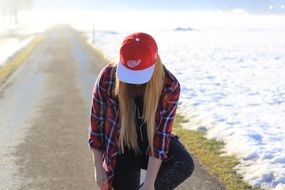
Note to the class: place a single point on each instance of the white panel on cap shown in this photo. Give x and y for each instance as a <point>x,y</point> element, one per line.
<point>134,76</point>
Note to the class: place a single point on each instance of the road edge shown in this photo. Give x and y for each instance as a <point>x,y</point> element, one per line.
<point>18,59</point>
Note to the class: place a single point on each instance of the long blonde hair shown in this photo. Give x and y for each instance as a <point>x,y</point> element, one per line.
<point>128,135</point>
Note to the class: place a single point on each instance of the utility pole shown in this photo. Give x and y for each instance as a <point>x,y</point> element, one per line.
<point>93,33</point>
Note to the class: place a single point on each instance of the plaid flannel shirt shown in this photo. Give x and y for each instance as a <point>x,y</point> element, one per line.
<point>105,118</point>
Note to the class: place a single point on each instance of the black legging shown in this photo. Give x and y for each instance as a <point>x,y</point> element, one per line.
<point>172,172</point>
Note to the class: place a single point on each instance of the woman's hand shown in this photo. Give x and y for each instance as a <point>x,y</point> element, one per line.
<point>151,173</point>
<point>147,186</point>
<point>100,174</point>
<point>101,178</point>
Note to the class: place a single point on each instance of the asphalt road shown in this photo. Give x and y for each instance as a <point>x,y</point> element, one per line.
<point>44,119</point>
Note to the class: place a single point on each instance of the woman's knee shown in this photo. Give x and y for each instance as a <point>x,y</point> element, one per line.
<point>175,171</point>
<point>190,165</point>
<point>183,157</point>
<point>173,174</point>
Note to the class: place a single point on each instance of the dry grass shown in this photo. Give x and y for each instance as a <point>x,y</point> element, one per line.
<point>20,57</point>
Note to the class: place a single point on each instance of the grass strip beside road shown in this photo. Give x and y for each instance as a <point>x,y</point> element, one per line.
<point>208,152</point>
<point>16,60</point>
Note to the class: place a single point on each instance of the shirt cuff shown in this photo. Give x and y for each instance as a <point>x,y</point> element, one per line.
<point>158,154</point>
<point>95,145</point>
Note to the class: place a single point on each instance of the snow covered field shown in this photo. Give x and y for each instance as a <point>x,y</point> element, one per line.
<point>14,37</point>
<point>8,47</point>
<point>233,85</point>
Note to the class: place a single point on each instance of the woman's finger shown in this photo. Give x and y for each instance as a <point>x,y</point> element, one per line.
<point>104,186</point>
<point>101,184</point>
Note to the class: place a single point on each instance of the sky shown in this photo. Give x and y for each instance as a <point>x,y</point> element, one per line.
<point>116,13</point>
<point>167,5</point>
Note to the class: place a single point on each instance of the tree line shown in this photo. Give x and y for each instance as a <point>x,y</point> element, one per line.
<point>11,8</point>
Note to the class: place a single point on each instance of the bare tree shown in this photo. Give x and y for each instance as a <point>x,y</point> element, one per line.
<point>11,8</point>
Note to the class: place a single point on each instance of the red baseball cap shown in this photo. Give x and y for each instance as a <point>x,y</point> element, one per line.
<point>138,54</point>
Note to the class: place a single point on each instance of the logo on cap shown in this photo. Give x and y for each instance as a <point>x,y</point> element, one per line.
<point>133,63</point>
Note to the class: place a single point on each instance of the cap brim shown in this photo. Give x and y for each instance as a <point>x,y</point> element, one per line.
<point>134,77</point>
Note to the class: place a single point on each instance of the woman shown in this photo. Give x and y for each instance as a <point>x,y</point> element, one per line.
<point>133,109</point>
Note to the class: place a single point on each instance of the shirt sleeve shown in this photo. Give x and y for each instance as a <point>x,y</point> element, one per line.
<point>98,109</point>
<point>165,120</point>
